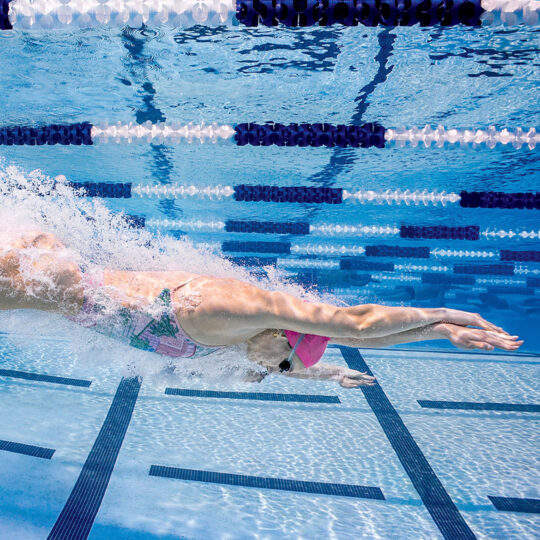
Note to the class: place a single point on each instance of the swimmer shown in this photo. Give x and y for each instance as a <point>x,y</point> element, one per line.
<point>198,314</point>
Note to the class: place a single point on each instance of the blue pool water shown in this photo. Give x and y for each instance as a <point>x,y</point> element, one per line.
<point>417,456</point>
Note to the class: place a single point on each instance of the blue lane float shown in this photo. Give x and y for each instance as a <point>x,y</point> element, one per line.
<point>341,136</point>
<point>5,23</point>
<point>445,279</point>
<point>360,263</point>
<point>267,227</point>
<point>292,194</point>
<point>471,232</point>
<point>485,269</point>
<point>359,12</point>
<point>70,134</point>
<point>520,256</point>
<point>257,262</point>
<point>233,246</point>
<point>398,251</point>
<point>106,190</point>
<point>498,199</point>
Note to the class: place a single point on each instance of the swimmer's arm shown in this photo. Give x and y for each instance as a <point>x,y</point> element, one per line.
<point>362,321</point>
<point>231,311</point>
<point>346,377</point>
<point>460,336</point>
<point>425,333</point>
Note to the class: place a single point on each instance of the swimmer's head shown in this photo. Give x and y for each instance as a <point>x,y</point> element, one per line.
<point>271,349</point>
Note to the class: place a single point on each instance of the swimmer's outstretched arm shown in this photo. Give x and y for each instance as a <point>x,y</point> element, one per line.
<point>231,311</point>
<point>460,336</point>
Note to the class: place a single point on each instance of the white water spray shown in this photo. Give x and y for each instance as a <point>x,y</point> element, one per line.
<point>96,238</point>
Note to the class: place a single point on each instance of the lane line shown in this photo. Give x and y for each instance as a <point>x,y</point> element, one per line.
<point>258,396</point>
<point>27,449</point>
<point>442,509</point>
<point>78,515</point>
<point>40,377</point>
<point>515,504</point>
<point>283,484</point>
<point>479,406</point>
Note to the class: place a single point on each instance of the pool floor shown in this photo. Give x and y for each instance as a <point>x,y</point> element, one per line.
<point>444,446</point>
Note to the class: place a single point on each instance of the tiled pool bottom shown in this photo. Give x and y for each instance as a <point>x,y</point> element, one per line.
<point>445,446</point>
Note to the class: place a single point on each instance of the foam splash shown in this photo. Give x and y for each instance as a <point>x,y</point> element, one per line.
<point>97,238</point>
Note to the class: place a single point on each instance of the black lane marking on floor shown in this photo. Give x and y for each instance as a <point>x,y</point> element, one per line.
<point>283,484</point>
<point>26,449</point>
<point>28,376</point>
<point>78,515</point>
<point>479,406</point>
<point>258,396</point>
<point>514,504</point>
<point>433,494</point>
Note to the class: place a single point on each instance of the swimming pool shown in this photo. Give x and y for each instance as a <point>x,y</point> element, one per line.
<point>100,440</point>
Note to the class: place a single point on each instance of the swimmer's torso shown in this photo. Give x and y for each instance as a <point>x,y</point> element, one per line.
<point>153,328</point>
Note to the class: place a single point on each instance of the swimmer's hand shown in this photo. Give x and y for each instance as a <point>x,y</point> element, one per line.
<point>464,318</point>
<point>474,338</point>
<point>350,378</point>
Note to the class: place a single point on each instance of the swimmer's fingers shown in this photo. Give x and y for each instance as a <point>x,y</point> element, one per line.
<point>502,341</point>
<point>491,340</point>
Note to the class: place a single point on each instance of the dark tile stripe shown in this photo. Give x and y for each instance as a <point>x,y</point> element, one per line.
<point>260,396</point>
<point>27,449</point>
<point>322,488</point>
<point>78,515</point>
<point>433,494</point>
<point>44,378</point>
<point>513,504</point>
<point>477,406</point>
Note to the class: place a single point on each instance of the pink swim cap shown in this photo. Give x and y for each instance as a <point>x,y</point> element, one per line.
<point>310,349</point>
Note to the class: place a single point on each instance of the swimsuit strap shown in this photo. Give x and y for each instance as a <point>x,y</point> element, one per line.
<point>300,339</point>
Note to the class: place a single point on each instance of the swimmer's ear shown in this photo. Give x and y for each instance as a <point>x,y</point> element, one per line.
<point>284,365</point>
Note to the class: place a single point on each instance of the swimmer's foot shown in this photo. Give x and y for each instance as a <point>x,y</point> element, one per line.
<point>350,378</point>
<point>474,338</point>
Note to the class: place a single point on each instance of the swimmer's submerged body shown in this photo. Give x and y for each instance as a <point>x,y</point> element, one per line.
<point>181,314</point>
